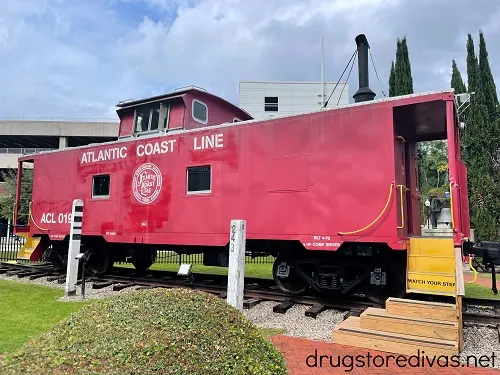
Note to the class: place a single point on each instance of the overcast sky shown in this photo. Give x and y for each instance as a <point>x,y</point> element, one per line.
<point>78,58</point>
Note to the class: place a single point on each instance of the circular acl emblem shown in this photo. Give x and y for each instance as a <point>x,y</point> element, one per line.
<point>146,183</point>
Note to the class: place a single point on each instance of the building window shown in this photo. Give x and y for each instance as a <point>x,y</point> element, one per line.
<point>271,104</point>
<point>236,119</point>
<point>199,179</point>
<point>100,186</point>
<point>200,111</point>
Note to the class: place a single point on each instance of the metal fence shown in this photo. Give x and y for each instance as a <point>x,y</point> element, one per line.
<point>11,244</point>
<point>171,257</point>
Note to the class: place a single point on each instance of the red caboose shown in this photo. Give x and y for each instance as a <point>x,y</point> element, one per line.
<point>332,194</point>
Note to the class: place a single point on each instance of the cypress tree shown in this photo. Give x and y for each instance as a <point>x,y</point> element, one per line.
<point>399,70</point>
<point>471,65</point>
<point>486,80</point>
<point>400,79</point>
<point>457,82</point>
<point>407,80</point>
<point>392,81</point>
<point>492,131</point>
<point>476,142</point>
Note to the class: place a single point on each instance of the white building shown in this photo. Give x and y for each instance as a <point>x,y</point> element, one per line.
<point>263,99</point>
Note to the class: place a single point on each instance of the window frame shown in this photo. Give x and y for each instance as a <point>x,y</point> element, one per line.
<point>92,195</point>
<point>236,119</point>
<point>269,107</point>
<point>162,126</point>
<point>199,192</point>
<point>192,111</point>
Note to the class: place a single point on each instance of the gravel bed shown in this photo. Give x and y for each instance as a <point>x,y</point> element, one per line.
<point>294,322</point>
<point>480,310</point>
<point>479,339</point>
<point>89,292</point>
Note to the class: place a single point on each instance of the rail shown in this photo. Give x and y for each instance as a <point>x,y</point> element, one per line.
<point>59,119</point>
<point>378,217</point>
<point>24,151</point>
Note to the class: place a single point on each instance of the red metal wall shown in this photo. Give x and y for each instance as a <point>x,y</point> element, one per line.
<point>126,124</point>
<point>307,178</point>
<point>218,111</point>
<point>176,116</point>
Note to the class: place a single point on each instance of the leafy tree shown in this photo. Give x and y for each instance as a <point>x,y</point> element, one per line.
<point>433,167</point>
<point>7,201</point>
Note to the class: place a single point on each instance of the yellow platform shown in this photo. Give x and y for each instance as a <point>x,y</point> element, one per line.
<point>29,246</point>
<point>431,266</point>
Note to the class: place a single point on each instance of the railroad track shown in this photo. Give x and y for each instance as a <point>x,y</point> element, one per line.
<point>256,290</point>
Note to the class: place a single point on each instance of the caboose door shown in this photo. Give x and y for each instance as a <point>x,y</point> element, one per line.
<point>401,190</point>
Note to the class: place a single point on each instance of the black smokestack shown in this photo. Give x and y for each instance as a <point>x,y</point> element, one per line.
<point>364,92</point>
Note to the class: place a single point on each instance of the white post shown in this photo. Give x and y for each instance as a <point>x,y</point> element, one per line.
<point>75,236</point>
<point>322,76</point>
<point>8,229</point>
<point>236,272</point>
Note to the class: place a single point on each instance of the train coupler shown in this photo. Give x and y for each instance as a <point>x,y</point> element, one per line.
<point>490,254</point>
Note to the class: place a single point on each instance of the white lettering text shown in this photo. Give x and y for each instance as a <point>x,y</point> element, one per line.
<point>209,141</point>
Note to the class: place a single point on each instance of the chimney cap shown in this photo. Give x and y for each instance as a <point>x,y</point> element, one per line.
<point>361,38</point>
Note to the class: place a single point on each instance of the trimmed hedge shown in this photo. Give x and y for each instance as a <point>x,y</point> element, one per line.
<point>153,331</point>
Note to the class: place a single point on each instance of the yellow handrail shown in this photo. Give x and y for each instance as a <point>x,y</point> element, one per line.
<point>378,217</point>
<point>32,219</point>
<point>402,208</point>
<point>474,270</point>
<point>451,207</point>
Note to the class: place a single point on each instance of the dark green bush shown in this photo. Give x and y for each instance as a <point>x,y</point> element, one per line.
<point>150,332</point>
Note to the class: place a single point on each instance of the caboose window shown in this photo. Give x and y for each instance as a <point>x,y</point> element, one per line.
<point>100,186</point>
<point>150,117</point>
<point>200,111</point>
<point>199,179</point>
<point>271,104</point>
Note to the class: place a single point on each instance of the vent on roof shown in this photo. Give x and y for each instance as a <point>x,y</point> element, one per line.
<point>184,88</point>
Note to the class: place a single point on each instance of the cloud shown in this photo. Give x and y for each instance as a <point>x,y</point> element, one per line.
<point>79,58</point>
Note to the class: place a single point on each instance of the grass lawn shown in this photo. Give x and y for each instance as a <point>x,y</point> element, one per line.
<point>479,291</point>
<point>28,310</point>
<point>260,271</point>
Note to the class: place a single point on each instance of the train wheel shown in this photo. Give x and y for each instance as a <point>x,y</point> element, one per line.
<point>144,261</point>
<point>395,285</point>
<point>286,277</point>
<point>100,262</point>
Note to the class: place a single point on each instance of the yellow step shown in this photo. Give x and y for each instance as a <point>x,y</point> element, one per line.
<point>350,332</point>
<point>380,319</point>
<point>422,309</point>
<point>431,263</point>
<point>431,246</point>
<point>28,248</point>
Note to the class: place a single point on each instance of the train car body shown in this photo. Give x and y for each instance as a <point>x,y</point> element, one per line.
<point>332,194</point>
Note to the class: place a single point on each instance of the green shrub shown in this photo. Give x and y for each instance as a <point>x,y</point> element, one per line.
<point>150,332</point>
